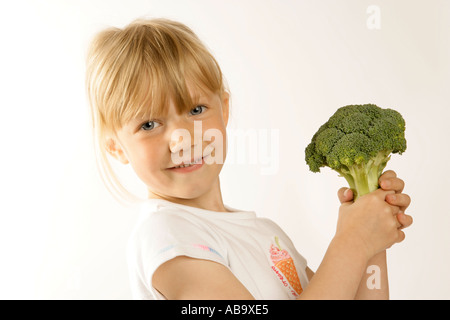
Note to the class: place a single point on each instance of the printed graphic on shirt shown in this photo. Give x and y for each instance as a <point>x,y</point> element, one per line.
<point>283,266</point>
<point>206,248</point>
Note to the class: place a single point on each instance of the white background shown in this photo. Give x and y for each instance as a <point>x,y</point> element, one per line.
<point>289,65</point>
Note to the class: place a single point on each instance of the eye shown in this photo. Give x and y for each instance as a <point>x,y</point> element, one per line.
<point>150,125</point>
<point>197,110</point>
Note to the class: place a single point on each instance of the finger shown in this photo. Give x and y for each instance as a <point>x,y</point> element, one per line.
<point>399,225</point>
<point>394,209</point>
<point>401,200</point>
<point>345,195</point>
<point>404,219</point>
<point>400,236</point>
<point>389,174</point>
<point>395,184</point>
<point>383,193</point>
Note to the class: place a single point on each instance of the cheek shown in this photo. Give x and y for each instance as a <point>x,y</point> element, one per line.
<point>215,140</point>
<point>146,159</point>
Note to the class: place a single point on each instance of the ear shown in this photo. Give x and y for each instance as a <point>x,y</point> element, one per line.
<point>115,150</point>
<point>225,107</point>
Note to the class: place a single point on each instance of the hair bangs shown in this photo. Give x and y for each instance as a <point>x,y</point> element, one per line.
<point>168,69</point>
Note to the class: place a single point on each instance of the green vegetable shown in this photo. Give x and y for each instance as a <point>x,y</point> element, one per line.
<point>357,142</point>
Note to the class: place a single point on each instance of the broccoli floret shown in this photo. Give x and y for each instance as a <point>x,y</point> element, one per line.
<point>357,142</point>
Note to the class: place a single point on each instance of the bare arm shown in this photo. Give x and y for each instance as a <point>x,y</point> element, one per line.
<point>363,292</point>
<point>374,283</point>
<point>184,278</point>
<point>339,274</point>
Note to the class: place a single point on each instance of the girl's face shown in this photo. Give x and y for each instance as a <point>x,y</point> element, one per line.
<point>151,147</point>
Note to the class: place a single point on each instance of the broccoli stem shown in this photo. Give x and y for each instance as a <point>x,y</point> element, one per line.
<point>363,178</point>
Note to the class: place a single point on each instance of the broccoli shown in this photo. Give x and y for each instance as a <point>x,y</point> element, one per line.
<point>357,142</point>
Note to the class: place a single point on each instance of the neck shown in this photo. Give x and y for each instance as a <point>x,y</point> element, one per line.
<point>211,200</point>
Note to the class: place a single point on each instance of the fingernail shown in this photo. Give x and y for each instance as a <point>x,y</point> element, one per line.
<point>386,183</point>
<point>392,197</point>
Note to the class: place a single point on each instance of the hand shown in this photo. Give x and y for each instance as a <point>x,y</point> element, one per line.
<point>369,225</point>
<point>388,182</point>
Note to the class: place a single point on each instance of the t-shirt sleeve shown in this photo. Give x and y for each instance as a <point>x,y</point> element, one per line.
<point>167,234</point>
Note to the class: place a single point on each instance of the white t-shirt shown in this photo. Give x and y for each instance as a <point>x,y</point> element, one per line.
<point>259,254</point>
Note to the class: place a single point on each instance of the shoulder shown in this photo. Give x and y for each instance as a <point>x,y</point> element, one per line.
<point>172,224</point>
<point>272,226</point>
<point>170,232</point>
<point>163,219</point>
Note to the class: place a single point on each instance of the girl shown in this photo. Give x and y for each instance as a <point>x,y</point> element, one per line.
<point>155,78</point>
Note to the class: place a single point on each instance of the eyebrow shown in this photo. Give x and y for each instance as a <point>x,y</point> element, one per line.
<point>137,120</point>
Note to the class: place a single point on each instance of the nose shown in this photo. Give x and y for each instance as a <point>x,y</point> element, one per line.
<point>182,143</point>
<point>185,136</point>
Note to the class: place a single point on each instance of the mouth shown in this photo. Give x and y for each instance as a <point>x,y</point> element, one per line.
<point>192,166</point>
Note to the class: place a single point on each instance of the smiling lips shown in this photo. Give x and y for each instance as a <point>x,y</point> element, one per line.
<point>195,164</point>
<point>189,164</point>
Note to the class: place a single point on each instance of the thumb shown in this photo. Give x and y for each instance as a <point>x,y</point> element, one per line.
<point>345,195</point>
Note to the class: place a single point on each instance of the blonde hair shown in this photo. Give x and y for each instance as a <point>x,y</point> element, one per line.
<point>135,72</point>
